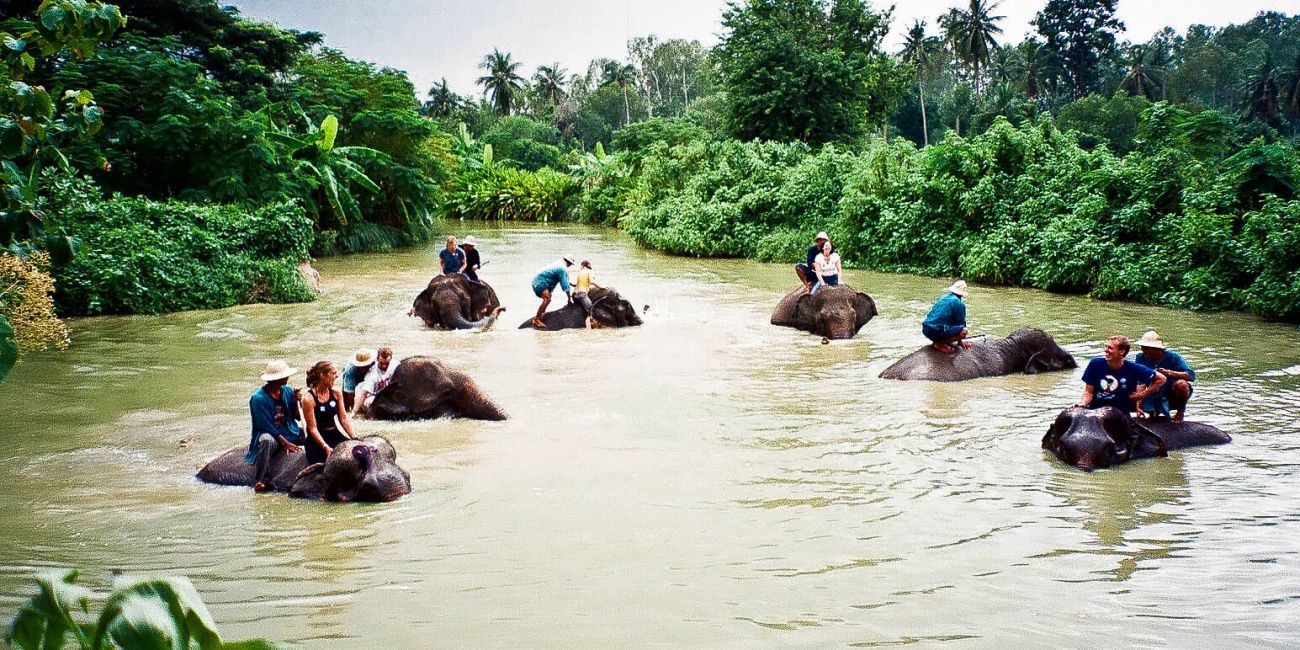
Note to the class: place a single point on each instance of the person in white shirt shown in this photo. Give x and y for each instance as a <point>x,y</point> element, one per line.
<point>827,267</point>
<point>380,374</point>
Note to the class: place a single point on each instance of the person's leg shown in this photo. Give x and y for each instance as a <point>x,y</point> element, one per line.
<point>266,448</point>
<point>348,397</point>
<point>832,280</point>
<point>471,275</point>
<point>806,276</point>
<point>1179,394</point>
<point>545,295</point>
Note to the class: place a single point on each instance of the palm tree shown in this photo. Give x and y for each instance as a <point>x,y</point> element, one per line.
<point>442,101</point>
<point>622,75</point>
<point>920,52</point>
<point>1141,77</point>
<point>502,80</point>
<point>549,83</point>
<point>1290,90</point>
<point>1260,94</point>
<point>1034,63</point>
<point>971,33</point>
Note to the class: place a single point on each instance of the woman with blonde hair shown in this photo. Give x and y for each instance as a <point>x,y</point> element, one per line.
<point>453,258</point>
<point>323,412</point>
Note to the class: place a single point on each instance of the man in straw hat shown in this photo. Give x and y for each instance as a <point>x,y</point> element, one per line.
<point>546,280</point>
<point>1112,380</point>
<point>355,372</point>
<point>805,270</point>
<point>1175,393</point>
<point>376,379</point>
<point>945,325</point>
<point>472,260</point>
<point>274,410</point>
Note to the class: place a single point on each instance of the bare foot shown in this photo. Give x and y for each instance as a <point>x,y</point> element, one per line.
<point>946,349</point>
<point>261,487</point>
<point>537,322</point>
<point>1177,418</point>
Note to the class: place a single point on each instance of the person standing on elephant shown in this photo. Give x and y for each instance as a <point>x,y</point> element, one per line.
<point>828,268</point>
<point>274,412</point>
<point>472,260</point>
<point>323,413</point>
<point>806,271</point>
<point>545,282</point>
<point>1112,380</point>
<point>453,258</point>
<point>945,325</point>
<point>1178,389</point>
<point>378,377</point>
<point>355,372</point>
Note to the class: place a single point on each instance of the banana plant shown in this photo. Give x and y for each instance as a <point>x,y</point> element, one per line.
<point>327,167</point>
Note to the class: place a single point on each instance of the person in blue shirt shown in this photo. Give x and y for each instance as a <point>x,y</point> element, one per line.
<point>453,258</point>
<point>807,270</point>
<point>274,411</point>
<point>546,280</point>
<point>1178,389</point>
<point>354,373</point>
<point>945,325</point>
<point>1112,380</point>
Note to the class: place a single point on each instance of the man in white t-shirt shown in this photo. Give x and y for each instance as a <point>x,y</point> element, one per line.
<point>380,374</point>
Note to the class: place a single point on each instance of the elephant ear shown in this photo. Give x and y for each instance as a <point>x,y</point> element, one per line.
<point>481,296</point>
<point>1147,444</point>
<point>1061,425</point>
<point>865,307</point>
<point>1034,366</point>
<point>311,469</point>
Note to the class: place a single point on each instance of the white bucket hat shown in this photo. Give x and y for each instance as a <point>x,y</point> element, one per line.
<point>1151,340</point>
<point>959,288</point>
<point>363,357</point>
<point>278,369</point>
<point>568,259</point>
<point>469,241</point>
<point>822,235</point>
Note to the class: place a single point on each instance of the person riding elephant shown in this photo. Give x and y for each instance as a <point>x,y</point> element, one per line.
<point>273,409</point>
<point>358,470</point>
<point>1102,437</point>
<point>1112,380</point>
<point>806,270</point>
<point>1026,350</point>
<point>609,309</point>
<point>424,388</point>
<point>456,302</point>
<point>833,312</point>
<point>945,325</point>
<point>1173,396</point>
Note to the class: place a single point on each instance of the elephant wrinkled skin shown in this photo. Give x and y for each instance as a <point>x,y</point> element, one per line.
<point>1098,438</point>
<point>1026,350</point>
<point>608,309</point>
<point>425,388</point>
<point>833,312</point>
<point>357,470</point>
<point>456,302</point>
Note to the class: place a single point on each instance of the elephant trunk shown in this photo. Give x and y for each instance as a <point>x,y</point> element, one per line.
<point>455,321</point>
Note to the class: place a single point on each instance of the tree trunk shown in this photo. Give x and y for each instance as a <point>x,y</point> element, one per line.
<point>627,108</point>
<point>686,98</point>
<point>925,127</point>
<point>959,126</point>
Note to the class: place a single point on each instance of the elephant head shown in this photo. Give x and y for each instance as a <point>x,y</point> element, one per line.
<point>609,309</point>
<point>833,312</point>
<point>424,388</point>
<point>357,470</point>
<point>1044,354</point>
<point>1098,438</point>
<point>456,302</point>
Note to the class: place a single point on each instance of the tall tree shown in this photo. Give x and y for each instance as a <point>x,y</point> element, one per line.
<point>1081,33</point>
<point>622,76</point>
<point>1260,94</point>
<point>971,32</point>
<point>442,101</point>
<point>807,70</point>
<point>1034,60</point>
<point>1143,77</point>
<point>1290,89</point>
<point>922,53</point>
<point>548,81</point>
<point>502,80</point>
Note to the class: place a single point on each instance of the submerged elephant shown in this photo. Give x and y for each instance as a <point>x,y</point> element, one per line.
<point>833,312</point>
<point>608,309</point>
<point>357,470</point>
<point>424,388</point>
<point>1097,438</point>
<point>456,302</point>
<point>1027,350</point>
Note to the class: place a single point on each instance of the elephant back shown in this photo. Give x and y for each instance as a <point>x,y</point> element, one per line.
<point>230,468</point>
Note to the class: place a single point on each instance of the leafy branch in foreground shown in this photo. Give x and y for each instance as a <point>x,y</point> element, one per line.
<point>151,613</point>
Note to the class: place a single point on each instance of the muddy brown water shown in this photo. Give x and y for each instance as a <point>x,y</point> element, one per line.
<point>704,480</point>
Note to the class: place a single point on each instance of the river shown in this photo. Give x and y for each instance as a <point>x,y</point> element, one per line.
<point>704,480</point>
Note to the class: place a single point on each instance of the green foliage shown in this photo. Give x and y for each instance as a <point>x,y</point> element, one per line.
<point>8,348</point>
<point>506,193</point>
<point>157,613</point>
<point>368,237</point>
<point>529,143</point>
<point>149,257</point>
<point>1099,120</point>
<point>809,70</point>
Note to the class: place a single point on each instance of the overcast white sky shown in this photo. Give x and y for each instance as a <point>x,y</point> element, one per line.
<point>430,39</point>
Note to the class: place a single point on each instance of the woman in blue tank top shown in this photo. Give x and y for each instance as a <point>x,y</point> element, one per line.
<point>323,413</point>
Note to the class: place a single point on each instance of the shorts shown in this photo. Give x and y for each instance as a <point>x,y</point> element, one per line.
<point>539,288</point>
<point>941,333</point>
<point>806,272</point>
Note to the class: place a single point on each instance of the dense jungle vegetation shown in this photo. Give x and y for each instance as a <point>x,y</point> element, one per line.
<point>162,155</point>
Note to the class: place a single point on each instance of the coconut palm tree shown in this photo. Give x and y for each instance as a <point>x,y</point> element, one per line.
<point>442,101</point>
<point>1290,89</point>
<point>1034,61</point>
<point>548,81</point>
<point>922,53</point>
<point>1142,78</point>
<point>622,75</point>
<point>502,80</point>
<point>971,34</point>
<point>1260,93</point>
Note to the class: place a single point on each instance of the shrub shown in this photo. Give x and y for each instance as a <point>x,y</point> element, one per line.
<point>510,194</point>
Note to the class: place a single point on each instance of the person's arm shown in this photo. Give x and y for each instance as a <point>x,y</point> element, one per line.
<point>295,414</point>
<point>564,284</point>
<point>464,261</point>
<point>344,420</point>
<point>309,420</point>
<point>1142,392</point>
<point>1088,391</point>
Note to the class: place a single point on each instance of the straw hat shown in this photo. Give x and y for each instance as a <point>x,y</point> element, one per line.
<point>363,357</point>
<point>469,241</point>
<point>1151,340</point>
<point>568,259</point>
<point>822,235</point>
<point>959,288</point>
<point>278,369</point>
